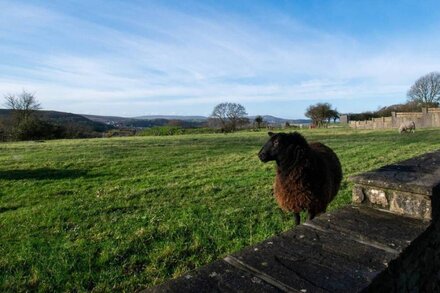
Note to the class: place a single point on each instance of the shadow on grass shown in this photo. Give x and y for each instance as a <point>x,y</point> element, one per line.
<point>43,174</point>
<point>7,209</point>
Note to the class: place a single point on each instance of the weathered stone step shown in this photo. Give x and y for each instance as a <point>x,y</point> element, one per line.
<point>409,188</point>
<point>367,226</point>
<point>218,276</point>
<point>335,252</point>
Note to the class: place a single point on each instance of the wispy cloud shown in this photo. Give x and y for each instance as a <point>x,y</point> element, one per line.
<point>155,58</point>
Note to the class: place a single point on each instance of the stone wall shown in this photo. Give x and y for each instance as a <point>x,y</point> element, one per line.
<point>416,270</point>
<point>429,117</point>
<point>409,188</point>
<point>395,201</point>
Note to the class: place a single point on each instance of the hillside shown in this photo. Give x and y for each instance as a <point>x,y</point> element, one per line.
<point>276,120</point>
<point>172,117</point>
<point>102,123</point>
<point>138,122</point>
<point>63,118</point>
<point>194,119</point>
<point>106,119</point>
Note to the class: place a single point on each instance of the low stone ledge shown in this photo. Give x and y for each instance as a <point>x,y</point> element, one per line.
<point>398,202</point>
<point>218,276</point>
<point>408,188</point>
<point>417,269</point>
<point>341,251</point>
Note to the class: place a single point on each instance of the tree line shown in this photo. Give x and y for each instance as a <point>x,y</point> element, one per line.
<point>227,117</point>
<point>425,92</point>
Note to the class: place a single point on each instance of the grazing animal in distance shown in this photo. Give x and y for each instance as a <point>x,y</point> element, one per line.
<point>407,126</point>
<point>308,176</point>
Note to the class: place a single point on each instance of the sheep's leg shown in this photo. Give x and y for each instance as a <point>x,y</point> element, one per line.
<point>297,218</point>
<point>311,215</point>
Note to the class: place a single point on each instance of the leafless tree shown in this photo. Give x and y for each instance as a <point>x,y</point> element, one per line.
<point>426,90</point>
<point>23,105</point>
<point>220,113</point>
<point>230,115</point>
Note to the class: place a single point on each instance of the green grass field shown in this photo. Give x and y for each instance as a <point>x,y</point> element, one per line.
<point>128,213</point>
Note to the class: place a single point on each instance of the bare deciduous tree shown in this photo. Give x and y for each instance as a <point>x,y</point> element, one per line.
<point>230,115</point>
<point>23,105</point>
<point>23,124</point>
<point>426,90</point>
<point>220,114</point>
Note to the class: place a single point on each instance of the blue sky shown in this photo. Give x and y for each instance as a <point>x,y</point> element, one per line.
<point>131,58</point>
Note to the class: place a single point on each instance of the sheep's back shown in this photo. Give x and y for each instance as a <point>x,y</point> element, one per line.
<point>329,168</point>
<point>407,125</point>
<point>312,184</point>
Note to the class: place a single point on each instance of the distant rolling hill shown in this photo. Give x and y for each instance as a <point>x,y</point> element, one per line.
<point>105,119</point>
<point>267,118</point>
<point>153,120</point>
<point>115,121</point>
<point>102,123</point>
<point>276,120</point>
<point>63,118</point>
<point>147,121</point>
<point>172,117</point>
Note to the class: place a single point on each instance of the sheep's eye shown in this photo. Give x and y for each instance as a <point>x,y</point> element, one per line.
<point>276,143</point>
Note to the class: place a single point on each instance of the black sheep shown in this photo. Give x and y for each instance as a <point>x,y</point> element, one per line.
<point>308,176</point>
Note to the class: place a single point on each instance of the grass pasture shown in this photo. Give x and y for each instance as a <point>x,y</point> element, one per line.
<point>127,213</point>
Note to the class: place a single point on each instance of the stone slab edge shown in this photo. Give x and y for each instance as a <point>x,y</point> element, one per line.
<point>398,202</point>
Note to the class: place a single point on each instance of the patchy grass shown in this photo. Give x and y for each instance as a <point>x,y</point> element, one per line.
<point>126,213</point>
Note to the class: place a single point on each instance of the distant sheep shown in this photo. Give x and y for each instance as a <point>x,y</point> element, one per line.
<point>407,126</point>
<point>308,176</point>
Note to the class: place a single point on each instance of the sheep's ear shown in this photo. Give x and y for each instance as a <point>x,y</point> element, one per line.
<point>270,133</point>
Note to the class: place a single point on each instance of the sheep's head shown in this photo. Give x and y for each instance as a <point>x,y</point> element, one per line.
<point>282,147</point>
